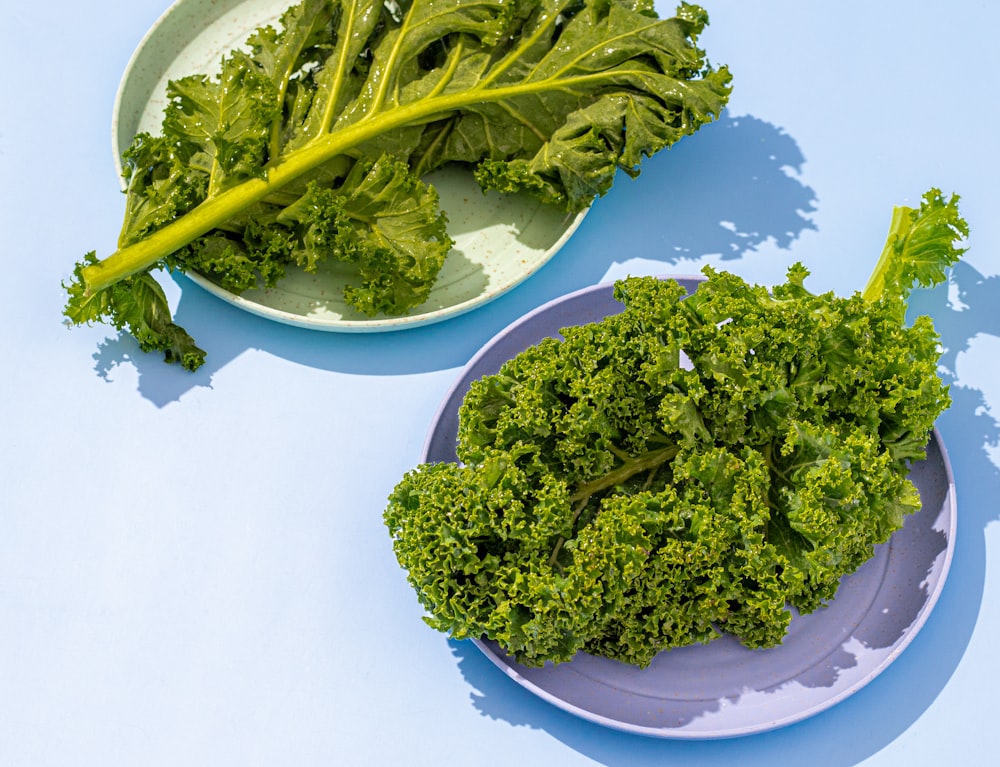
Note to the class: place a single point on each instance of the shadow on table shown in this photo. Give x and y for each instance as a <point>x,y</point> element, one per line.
<point>881,711</point>
<point>723,193</point>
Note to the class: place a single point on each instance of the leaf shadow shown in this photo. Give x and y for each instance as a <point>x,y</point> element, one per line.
<point>724,191</point>
<point>903,692</point>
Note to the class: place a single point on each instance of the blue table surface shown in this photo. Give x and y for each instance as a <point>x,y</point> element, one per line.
<point>194,568</point>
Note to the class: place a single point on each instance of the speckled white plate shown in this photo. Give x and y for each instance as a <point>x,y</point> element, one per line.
<point>722,689</point>
<point>500,240</point>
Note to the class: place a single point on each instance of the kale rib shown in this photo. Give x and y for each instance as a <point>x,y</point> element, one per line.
<point>217,209</point>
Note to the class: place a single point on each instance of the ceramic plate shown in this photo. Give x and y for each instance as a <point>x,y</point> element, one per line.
<point>500,240</point>
<point>722,689</point>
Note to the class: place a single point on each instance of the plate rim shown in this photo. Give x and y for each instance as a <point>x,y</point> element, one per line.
<point>510,668</point>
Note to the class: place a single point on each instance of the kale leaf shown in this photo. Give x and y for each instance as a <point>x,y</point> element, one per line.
<point>613,497</point>
<point>312,142</point>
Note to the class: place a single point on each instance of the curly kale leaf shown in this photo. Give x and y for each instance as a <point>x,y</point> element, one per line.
<point>614,498</point>
<point>547,97</point>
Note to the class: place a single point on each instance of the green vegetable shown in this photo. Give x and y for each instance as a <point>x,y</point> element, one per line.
<point>616,499</point>
<point>312,143</point>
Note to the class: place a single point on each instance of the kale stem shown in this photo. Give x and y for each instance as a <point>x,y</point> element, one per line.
<point>876,282</point>
<point>619,453</point>
<point>651,476</point>
<point>454,58</point>
<point>650,462</point>
<point>333,99</point>
<point>215,210</point>
<point>562,539</point>
<point>629,468</point>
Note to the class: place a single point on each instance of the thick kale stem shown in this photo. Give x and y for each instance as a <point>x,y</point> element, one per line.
<point>876,282</point>
<point>215,210</point>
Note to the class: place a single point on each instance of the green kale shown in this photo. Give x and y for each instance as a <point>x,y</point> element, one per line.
<point>313,143</point>
<point>691,466</point>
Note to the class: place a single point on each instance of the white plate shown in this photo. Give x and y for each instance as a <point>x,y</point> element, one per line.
<point>723,689</point>
<point>500,240</point>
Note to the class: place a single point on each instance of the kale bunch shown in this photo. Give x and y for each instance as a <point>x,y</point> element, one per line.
<point>691,466</point>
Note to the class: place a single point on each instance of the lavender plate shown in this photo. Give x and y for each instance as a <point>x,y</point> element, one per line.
<point>722,689</point>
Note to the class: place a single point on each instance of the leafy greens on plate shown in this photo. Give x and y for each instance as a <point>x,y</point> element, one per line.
<point>691,466</point>
<point>313,142</point>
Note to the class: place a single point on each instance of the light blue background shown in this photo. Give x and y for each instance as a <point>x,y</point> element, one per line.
<point>193,567</point>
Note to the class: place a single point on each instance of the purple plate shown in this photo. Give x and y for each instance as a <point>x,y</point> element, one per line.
<point>723,689</point>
